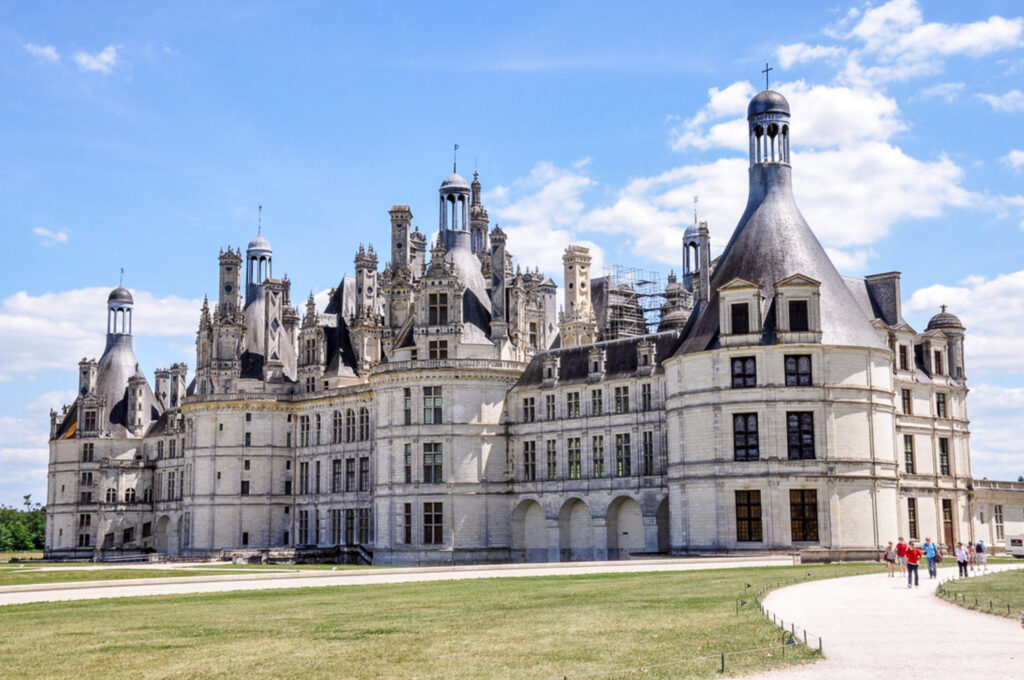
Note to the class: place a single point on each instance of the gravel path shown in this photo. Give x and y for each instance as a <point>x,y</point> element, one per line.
<point>262,580</point>
<point>874,626</point>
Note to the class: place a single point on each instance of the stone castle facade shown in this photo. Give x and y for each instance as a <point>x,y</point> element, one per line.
<point>442,410</point>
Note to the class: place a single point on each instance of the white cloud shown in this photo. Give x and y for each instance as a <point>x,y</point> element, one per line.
<point>948,92</point>
<point>892,42</point>
<point>1010,102</point>
<point>995,431</point>
<point>101,62</point>
<point>1015,159</point>
<point>50,238</point>
<point>55,330</point>
<point>992,310</point>
<point>43,53</point>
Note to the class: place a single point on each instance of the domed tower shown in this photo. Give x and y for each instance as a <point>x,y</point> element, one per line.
<point>953,329</point>
<point>454,218</point>
<point>258,259</point>
<point>119,312</point>
<point>768,126</point>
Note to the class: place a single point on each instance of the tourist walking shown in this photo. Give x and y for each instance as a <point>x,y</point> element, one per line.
<point>931,552</point>
<point>913,557</point>
<point>961,559</point>
<point>901,554</point>
<point>890,558</point>
<point>971,556</point>
<point>982,554</point>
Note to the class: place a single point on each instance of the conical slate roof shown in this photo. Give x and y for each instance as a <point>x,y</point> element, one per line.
<point>772,242</point>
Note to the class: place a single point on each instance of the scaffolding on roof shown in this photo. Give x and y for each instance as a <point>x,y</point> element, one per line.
<point>635,299</point>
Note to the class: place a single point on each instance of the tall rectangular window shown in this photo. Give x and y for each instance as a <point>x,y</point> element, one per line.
<point>533,333</point>
<point>304,431</point>
<point>88,451</point>
<point>316,467</point>
<point>574,457</point>
<point>350,474</point>
<point>744,372</point>
<point>908,454</point>
<point>552,459</point>
<point>940,405</point>
<point>748,516</point>
<point>529,409</point>
<point>740,318</point>
<point>597,452</point>
<point>943,456</point>
<point>744,436</point>
<point>337,526</point>
<point>319,423</point>
<point>437,349</point>
<point>798,370</point>
<point>623,455</point>
<point>912,518</point>
<point>549,407</point>
<point>407,464</point>
<point>432,462</point>
<point>906,401</point>
<point>432,405</point>
<point>407,406</point>
<point>997,517</point>
<point>596,402</point>
<point>364,424</point>
<point>437,309</point>
<point>336,427</point>
<point>303,477</point>
<point>350,426</point>
<point>350,526</point>
<point>938,362</point>
<point>433,518</point>
<point>647,453</point>
<point>803,514</point>
<point>89,420</point>
<point>798,321</point>
<point>336,475</point>
<point>622,399</point>
<point>904,358</point>
<point>646,402</point>
<point>407,523</point>
<point>572,405</point>
<point>364,473</point>
<point>800,435</point>
<point>170,489</point>
<point>363,517</point>
<point>529,461</point>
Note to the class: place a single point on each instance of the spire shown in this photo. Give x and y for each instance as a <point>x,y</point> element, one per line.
<point>259,222</point>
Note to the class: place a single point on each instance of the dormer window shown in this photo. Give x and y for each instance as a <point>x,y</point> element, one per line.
<point>938,362</point>
<point>549,369</point>
<point>798,316</point>
<point>437,309</point>
<point>740,315</point>
<point>89,420</point>
<point>595,358</point>
<point>645,357</point>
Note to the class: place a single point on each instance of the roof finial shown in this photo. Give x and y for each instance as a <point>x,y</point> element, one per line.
<point>943,308</point>
<point>121,284</point>
<point>695,199</point>
<point>455,159</point>
<point>259,226</point>
<point>766,70</point>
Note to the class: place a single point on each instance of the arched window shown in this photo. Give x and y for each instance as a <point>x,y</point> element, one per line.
<point>364,424</point>
<point>111,495</point>
<point>129,495</point>
<point>350,425</point>
<point>337,432</point>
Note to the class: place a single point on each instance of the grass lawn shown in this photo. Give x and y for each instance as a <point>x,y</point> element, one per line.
<point>26,576</point>
<point>1002,589</point>
<point>543,627</point>
<point>8,556</point>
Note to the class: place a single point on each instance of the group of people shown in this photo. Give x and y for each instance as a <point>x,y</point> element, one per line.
<point>907,558</point>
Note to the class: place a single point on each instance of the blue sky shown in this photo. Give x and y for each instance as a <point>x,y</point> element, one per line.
<point>145,135</point>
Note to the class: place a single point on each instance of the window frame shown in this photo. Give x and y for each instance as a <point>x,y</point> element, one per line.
<point>743,372</point>
<point>742,449</point>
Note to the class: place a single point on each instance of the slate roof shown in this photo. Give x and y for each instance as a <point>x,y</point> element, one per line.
<point>620,359</point>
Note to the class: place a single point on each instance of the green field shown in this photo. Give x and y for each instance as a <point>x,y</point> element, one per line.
<point>989,593</point>
<point>544,627</point>
<point>16,574</point>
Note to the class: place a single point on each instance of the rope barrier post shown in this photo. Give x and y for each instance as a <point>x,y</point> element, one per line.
<point>723,662</point>
<point>819,646</point>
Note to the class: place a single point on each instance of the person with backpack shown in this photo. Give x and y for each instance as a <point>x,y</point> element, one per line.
<point>961,559</point>
<point>979,549</point>
<point>931,553</point>
<point>913,558</point>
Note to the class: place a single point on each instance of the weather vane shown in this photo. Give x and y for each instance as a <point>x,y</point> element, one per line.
<point>259,222</point>
<point>766,70</point>
<point>122,278</point>
<point>455,158</point>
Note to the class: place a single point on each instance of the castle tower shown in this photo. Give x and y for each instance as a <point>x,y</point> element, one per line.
<point>417,253</point>
<point>478,221</point>
<point>401,223</point>
<point>953,329</point>
<point>136,416</point>
<point>499,292</point>
<point>162,387</point>
<point>230,290</point>
<point>453,220</point>
<point>366,284</point>
<point>577,326</point>
<point>87,369</point>
<point>179,373</point>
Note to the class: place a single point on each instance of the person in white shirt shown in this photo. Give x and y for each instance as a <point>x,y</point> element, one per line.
<point>961,559</point>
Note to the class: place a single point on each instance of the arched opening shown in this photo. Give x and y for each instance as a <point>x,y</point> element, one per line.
<point>529,532</point>
<point>163,530</point>
<point>575,532</point>
<point>625,528</point>
<point>661,518</point>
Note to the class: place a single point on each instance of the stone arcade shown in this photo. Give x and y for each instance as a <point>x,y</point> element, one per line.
<point>441,410</point>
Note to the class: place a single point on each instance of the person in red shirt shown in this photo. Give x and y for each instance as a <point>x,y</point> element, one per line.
<point>913,558</point>
<point>901,555</point>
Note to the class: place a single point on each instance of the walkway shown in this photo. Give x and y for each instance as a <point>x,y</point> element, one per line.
<point>874,626</point>
<point>263,580</point>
